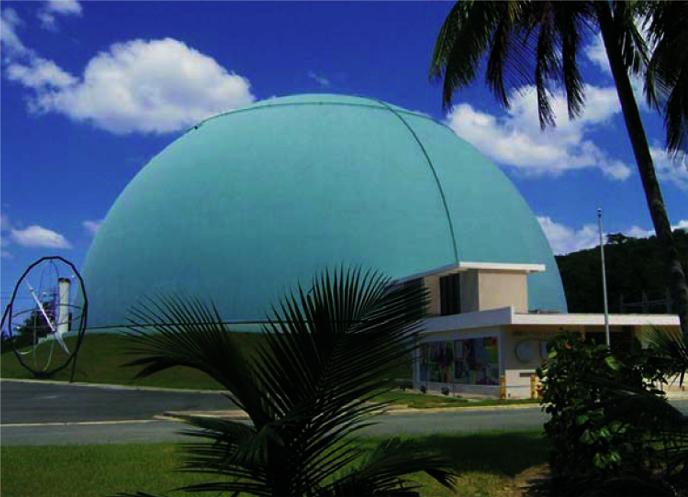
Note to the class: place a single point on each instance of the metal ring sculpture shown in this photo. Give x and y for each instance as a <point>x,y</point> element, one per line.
<point>36,324</point>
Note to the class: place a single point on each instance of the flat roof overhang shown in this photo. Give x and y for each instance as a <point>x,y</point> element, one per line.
<point>507,316</point>
<point>483,266</point>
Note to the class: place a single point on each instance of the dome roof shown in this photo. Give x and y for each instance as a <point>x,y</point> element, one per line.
<point>251,202</point>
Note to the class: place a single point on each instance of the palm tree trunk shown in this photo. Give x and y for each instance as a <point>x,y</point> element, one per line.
<point>677,278</point>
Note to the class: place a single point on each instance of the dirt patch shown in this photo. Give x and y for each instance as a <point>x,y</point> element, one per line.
<point>530,482</point>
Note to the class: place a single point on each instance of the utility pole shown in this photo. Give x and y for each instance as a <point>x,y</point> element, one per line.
<point>604,280</point>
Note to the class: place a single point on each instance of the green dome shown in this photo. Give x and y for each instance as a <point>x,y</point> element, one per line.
<point>249,203</point>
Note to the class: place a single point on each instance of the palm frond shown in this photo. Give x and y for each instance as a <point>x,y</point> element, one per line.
<point>666,77</point>
<point>190,333</point>
<point>547,65</point>
<point>329,350</point>
<point>670,346</point>
<point>237,448</point>
<point>385,470</point>
<point>505,57</point>
<point>460,44</point>
<point>633,46</point>
<point>637,405</point>
<point>310,387</point>
<point>511,35</point>
<point>572,21</point>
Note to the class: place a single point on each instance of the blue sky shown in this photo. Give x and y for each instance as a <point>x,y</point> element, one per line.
<point>92,90</point>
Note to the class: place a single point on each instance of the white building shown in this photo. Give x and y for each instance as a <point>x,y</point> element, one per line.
<point>480,332</point>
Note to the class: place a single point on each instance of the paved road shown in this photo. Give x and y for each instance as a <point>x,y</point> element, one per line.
<point>35,402</point>
<point>48,414</point>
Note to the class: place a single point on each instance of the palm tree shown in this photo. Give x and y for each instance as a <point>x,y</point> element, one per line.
<point>666,78</point>
<point>672,350</point>
<point>537,43</point>
<point>308,390</point>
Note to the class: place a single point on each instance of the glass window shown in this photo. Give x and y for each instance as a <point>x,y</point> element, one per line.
<point>450,294</point>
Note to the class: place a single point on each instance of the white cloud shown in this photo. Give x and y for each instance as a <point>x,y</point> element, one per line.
<point>669,169</point>
<point>41,74</point>
<point>638,232</point>
<point>672,170</point>
<point>564,239</point>
<point>321,80</point>
<point>145,86</point>
<point>52,8</point>
<point>597,54</point>
<point>11,43</point>
<point>4,233</point>
<point>4,222</point>
<point>516,139</point>
<point>39,237</point>
<point>91,226</point>
<point>65,7</point>
<point>4,253</point>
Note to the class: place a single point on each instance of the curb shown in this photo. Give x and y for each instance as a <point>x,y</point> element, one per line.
<point>391,410</point>
<point>235,415</point>
<point>238,414</point>
<point>110,386</point>
<point>431,410</point>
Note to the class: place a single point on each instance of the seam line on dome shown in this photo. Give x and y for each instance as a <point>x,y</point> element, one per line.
<point>434,174</point>
<point>295,104</point>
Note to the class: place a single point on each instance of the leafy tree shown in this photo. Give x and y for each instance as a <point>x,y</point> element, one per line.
<point>537,43</point>
<point>634,266</point>
<point>308,390</point>
<point>34,326</point>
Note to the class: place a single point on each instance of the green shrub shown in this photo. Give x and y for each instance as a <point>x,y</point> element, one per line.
<point>611,430</point>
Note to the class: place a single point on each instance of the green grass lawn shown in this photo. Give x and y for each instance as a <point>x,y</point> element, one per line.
<point>488,463</point>
<point>428,401</point>
<point>102,358</point>
<point>103,355</point>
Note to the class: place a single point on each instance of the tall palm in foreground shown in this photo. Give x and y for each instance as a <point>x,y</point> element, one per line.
<point>528,42</point>
<point>308,390</point>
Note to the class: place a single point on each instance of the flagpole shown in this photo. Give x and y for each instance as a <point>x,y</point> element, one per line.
<point>604,280</point>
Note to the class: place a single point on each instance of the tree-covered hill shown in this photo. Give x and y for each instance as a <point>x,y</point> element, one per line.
<point>634,266</point>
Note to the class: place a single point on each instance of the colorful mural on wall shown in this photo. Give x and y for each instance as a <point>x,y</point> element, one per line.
<point>470,361</point>
<point>436,362</point>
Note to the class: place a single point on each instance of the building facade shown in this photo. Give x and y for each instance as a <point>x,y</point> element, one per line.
<point>482,338</point>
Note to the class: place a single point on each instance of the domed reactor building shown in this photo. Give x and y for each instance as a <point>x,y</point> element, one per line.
<point>252,202</point>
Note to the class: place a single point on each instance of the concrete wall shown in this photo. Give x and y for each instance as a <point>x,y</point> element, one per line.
<point>432,283</point>
<point>503,289</point>
<point>518,368</point>
<point>482,290</point>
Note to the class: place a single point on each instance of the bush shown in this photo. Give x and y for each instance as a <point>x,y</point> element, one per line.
<point>611,430</point>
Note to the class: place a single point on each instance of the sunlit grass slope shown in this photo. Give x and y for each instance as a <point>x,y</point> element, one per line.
<point>486,463</point>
